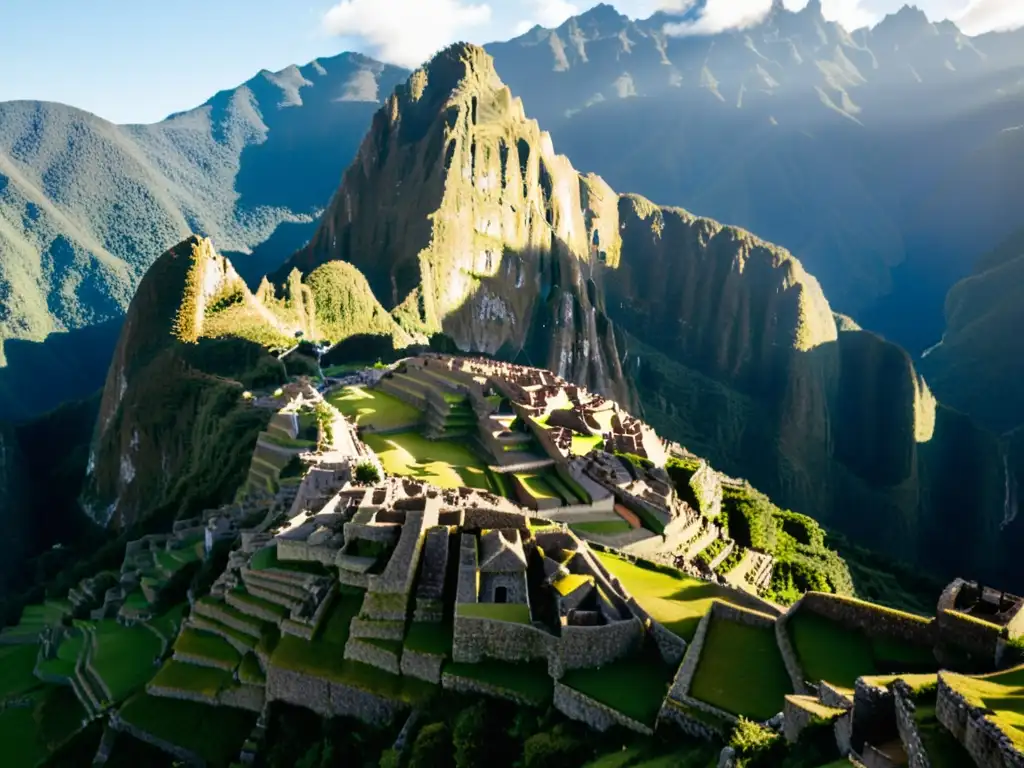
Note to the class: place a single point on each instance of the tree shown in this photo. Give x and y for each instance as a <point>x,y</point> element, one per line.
<point>367,473</point>
<point>432,748</point>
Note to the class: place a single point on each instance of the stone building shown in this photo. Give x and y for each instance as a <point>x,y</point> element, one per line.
<point>502,567</point>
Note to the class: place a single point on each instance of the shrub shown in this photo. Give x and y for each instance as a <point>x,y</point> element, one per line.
<point>367,473</point>
<point>553,749</point>
<point>325,419</point>
<point>710,552</point>
<point>433,747</point>
<point>301,365</point>
<point>755,745</point>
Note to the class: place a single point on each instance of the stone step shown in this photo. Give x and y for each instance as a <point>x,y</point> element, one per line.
<point>378,654</point>
<point>238,640</point>
<point>229,616</point>
<point>255,607</point>
<point>380,630</point>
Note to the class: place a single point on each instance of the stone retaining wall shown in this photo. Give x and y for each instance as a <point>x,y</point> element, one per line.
<point>375,656</point>
<point>672,712</point>
<point>251,609</point>
<point>204,661</point>
<point>328,698</point>
<point>789,657</point>
<point>479,517</point>
<point>596,715</point>
<point>425,666</point>
<point>680,689</point>
<point>906,725</point>
<point>382,630</point>
<point>794,719</point>
<point>205,624</point>
<point>963,631</point>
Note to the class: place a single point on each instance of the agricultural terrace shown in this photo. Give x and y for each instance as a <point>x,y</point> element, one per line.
<point>1002,693</point>
<point>31,734</point>
<point>214,733</point>
<point>741,670</point>
<point>443,463</point>
<point>839,656</point>
<point>672,598</point>
<point>634,686</point>
<point>123,656</point>
<point>529,680</point>
<point>373,408</point>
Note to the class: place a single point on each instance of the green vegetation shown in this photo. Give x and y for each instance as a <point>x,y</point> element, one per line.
<point>373,408</point>
<point>208,646</point>
<point>215,733</point>
<point>710,552</point>
<point>677,601</point>
<point>16,665</point>
<point>1001,693</point>
<point>583,444</point>
<point>537,485</point>
<point>635,686</point>
<point>528,680</point>
<point>943,750</point>
<point>444,463</point>
<point>367,473</point>
<point>207,681</point>
<point>123,656</point>
<point>514,612</point>
<point>741,670</point>
<point>430,637</point>
<point>603,527</point>
<point>829,652</point>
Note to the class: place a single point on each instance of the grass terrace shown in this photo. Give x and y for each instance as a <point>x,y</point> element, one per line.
<point>206,681</point>
<point>266,558</point>
<point>571,582</point>
<point>943,750</point>
<point>31,734</point>
<point>517,613</point>
<point>324,656</point>
<point>838,656</point>
<point>583,444</point>
<point>17,663</point>
<point>672,598</point>
<point>1002,693</point>
<point>215,733</point>
<point>741,671</point>
<point>207,645</point>
<point>444,463</point>
<point>430,637</point>
<point>373,408</point>
<point>603,527</point>
<point>537,485</point>
<point>636,686</point>
<point>530,681</point>
<point>123,656</point>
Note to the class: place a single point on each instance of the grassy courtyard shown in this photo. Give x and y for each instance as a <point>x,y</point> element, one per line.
<point>676,600</point>
<point>123,656</point>
<point>838,656</point>
<point>636,686</point>
<point>444,463</point>
<point>373,408</point>
<point>741,670</point>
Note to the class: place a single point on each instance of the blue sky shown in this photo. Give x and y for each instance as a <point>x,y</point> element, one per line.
<point>140,60</point>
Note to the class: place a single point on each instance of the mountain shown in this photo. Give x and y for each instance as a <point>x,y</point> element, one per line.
<point>465,221</point>
<point>979,364</point>
<point>880,157</point>
<point>86,206</point>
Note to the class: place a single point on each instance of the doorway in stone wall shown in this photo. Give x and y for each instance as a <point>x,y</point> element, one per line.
<point>501,594</point>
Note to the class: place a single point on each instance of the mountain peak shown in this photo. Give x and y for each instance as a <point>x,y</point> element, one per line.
<point>908,18</point>
<point>450,69</point>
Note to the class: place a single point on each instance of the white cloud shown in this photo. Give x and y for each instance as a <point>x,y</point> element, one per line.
<point>987,15</point>
<point>405,32</point>
<point>720,15</point>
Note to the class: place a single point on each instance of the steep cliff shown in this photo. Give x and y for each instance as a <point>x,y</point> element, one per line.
<point>464,220</point>
<point>14,513</point>
<point>173,433</point>
<point>979,365</point>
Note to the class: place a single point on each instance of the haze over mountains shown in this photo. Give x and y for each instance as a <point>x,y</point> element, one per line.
<point>885,159</point>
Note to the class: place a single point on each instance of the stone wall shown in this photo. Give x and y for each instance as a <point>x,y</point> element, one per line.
<point>328,698</point>
<point>582,647</point>
<point>984,742</point>
<point>425,666</point>
<point>729,612</point>
<point>794,719</point>
<point>874,715</point>
<point>707,488</point>
<point>468,586</point>
<point>185,756</point>
<point>973,635</point>
<point>907,727</point>
<point>676,714</point>
<point>596,715</point>
<point>872,620</point>
<point>789,657</point>
<point>680,689</point>
<point>481,517</point>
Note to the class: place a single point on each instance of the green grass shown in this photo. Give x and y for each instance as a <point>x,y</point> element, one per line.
<point>583,444</point>
<point>829,652</point>
<point>513,612</point>
<point>16,670</point>
<point>250,672</point>
<point>943,750</point>
<point>435,638</point>
<point>258,602</point>
<point>373,408</point>
<point>636,687</point>
<point>206,645</point>
<point>677,601</point>
<point>1002,693</point>
<point>603,527</point>
<point>123,657</point>
<point>169,623</point>
<point>191,677</point>
<point>21,738</point>
<point>562,489</point>
<point>444,463</point>
<point>267,558</point>
<point>528,680</point>
<point>537,485</point>
<point>740,670</point>
<point>215,733</point>
<point>571,582</point>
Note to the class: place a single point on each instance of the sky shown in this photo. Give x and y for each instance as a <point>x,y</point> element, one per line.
<point>137,61</point>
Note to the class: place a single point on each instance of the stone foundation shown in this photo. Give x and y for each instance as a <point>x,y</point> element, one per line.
<point>328,698</point>
<point>425,666</point>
